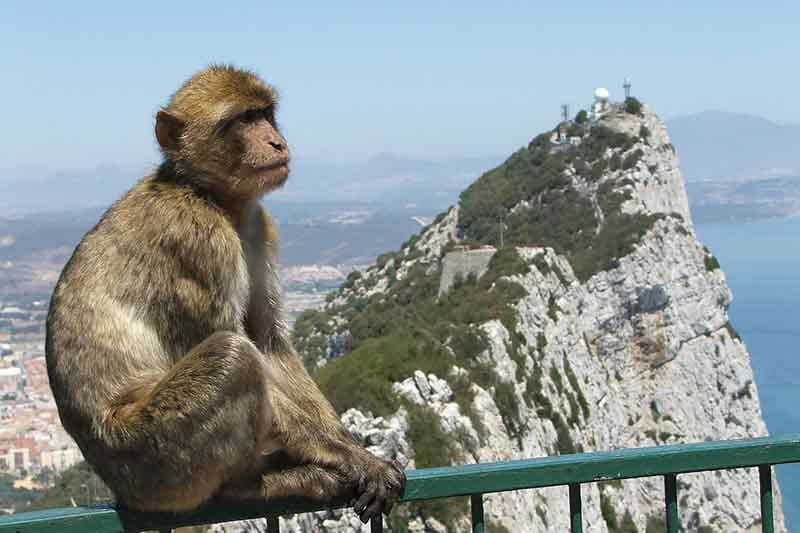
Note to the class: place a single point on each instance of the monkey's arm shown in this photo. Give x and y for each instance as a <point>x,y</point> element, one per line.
<point>310,432</point>
<point>305,425</point>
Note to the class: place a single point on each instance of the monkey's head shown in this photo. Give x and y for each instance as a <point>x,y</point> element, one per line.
<point>219,131</point>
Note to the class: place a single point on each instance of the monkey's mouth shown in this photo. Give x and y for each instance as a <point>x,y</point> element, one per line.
<point>270,175</point>
<point>277,164</point>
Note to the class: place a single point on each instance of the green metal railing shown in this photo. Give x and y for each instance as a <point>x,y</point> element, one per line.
<point>473,481</point>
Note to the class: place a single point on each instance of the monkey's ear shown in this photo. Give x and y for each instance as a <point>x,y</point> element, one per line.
<point>168,130</point>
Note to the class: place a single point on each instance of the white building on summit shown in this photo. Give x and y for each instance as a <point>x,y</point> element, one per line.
<point>600,104</point>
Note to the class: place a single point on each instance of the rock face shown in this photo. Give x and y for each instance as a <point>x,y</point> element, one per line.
<point>638,354</point>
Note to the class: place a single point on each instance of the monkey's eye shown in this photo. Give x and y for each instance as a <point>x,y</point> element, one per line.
<point>250,115</point>
<point>254,115</point>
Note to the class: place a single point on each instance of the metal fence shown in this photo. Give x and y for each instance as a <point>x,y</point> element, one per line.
<point>473,481</point>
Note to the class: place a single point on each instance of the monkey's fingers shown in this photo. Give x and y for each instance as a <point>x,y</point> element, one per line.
<point>401,475</point>
<point>368,493</point>
<point>363,501</point>
<point>378,501</point>
<point>393,493</point>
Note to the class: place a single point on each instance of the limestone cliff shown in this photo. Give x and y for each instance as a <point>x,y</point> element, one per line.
<point>602,323</point>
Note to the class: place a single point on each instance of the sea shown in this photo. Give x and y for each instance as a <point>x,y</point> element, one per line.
<point>762,263</point>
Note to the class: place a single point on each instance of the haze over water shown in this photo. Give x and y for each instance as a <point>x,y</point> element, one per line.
<point>762,263</point>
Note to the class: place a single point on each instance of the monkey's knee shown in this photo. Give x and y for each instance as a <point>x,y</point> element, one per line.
<point>223,343</point>
<point>232,360</point>
<point>242,376</point>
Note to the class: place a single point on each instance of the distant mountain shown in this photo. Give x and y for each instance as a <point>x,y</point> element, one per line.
<point>65,191</point>
<point>722,145</point>
<point>386,179</point>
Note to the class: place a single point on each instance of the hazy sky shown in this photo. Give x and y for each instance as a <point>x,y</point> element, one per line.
<point>81,81</point>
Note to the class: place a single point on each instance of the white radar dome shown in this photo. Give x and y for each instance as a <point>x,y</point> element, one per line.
<point>601,93</point>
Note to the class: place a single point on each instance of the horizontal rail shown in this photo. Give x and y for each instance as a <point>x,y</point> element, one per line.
<point>450,481</point>
<point>600,466</point>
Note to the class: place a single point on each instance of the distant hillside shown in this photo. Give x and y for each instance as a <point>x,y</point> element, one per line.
<point>723,145</point>
<point>385,179</point>
<point>327,233</point>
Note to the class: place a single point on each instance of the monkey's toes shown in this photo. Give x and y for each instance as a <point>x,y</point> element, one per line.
<point>400,479</point>
<point>380,492</point>
<point>371,501</point>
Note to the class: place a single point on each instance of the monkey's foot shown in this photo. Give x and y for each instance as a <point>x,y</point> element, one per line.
<point>380,487</point>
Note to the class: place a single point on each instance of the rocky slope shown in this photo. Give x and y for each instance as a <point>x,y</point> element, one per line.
<point>602,323</point>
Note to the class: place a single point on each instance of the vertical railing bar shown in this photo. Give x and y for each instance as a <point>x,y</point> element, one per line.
<point>765,479</point>
<point>376,524</point>
<point>575,512</point>
<point>476,505</point>
<point>671,500</point>
<point>273,524</point>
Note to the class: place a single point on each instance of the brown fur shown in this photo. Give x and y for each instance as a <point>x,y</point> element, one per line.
<point>166,349</point>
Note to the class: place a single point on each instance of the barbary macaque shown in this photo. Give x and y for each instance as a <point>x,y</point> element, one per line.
<point>167,354</point>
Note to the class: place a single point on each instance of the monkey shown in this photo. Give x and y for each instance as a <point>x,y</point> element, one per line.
<point>167,352</point>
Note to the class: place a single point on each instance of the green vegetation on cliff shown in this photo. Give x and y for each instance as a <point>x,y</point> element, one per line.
<point>408,328</point>
<point>538,204</point>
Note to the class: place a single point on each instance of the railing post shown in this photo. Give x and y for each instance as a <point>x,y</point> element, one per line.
<point>376,524</point>
<point>575,513</point>
<point>273,524</point>
<point>765,479</point>
<point>476,504</point>
<point>671,500</point>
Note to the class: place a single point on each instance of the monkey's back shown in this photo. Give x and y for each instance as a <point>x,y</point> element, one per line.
<point>161,270</point>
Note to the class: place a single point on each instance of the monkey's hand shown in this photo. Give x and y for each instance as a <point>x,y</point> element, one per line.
<point>380,486</point>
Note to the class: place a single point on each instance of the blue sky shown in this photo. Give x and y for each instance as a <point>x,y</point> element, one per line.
<point>81,81</point>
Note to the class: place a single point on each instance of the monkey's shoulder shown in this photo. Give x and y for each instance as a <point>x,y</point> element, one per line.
<point>162,231</point>
<point>174,216</point>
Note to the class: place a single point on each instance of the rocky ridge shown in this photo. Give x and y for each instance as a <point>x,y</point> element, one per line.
<point>602,324</point>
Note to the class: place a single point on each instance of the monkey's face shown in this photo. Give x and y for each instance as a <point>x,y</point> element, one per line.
<point>263,155</point>
<point>219,130</point>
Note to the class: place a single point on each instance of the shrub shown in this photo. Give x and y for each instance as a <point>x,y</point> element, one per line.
<point>615,163</point>
<point>656,524</point>
<point>598,169</point>
<point>631,159</point>
<point>432,447</point>
<point>363,378</point>
<point>384,258</point>
<point>508,406</point>
<point>711,262</point>
<point>352,277</point>
<point>608,512</point>
<point>632,106</point>
<point>628,525</point>
<point>70,483</point>
<point>575,130</point>
<point>582,117</point>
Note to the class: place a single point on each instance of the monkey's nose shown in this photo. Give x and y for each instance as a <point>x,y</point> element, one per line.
<point>279,146</point>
